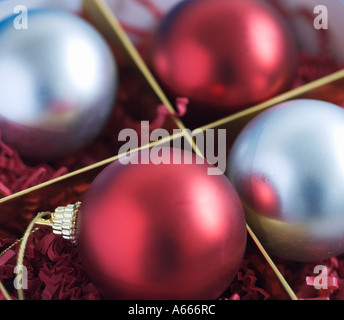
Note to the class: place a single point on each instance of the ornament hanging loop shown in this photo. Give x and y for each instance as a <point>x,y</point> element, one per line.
<point>47,220</point>
<point>63,221</point>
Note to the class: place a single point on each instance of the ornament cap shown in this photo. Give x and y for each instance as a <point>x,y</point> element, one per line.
<point>63,221</point>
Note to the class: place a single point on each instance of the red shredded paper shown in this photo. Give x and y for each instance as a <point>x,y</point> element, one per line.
<point>323,280</point>
<point>15,175</point>
<point>245,286</point>
<point>53,269</point>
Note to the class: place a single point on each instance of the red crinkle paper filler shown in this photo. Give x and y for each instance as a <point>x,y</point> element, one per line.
<point>245,285</point>
<point>304,279</point>
<point>15,175</point>
<point>163,112</point>
<point>53,268</point>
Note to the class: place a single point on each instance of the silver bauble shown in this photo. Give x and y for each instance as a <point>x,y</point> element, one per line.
<point>287,165</point>
<point>58,82</point>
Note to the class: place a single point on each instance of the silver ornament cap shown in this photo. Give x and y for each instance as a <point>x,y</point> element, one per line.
<point>63,221</point>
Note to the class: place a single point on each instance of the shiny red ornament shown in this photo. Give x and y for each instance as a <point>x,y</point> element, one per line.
<point>224,55</point>
<point>161,231</point>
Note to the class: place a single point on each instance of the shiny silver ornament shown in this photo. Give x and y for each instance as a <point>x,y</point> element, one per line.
<point>58,82</point>
<point>287,165</point>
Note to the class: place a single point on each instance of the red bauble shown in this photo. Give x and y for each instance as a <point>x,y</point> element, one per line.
<point>224,55</point>
<point>161,231</point>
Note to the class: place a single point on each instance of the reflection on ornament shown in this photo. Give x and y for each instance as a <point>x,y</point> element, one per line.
<point>287,165</point>
<point>58,81</point>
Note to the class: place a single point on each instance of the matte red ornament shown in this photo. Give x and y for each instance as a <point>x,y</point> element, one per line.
<point>161,231</point>
<point>224,55</point>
